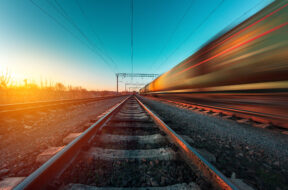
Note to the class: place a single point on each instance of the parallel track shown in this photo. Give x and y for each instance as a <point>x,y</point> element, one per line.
<point>107,141</point>
<point>24,107</point>
<point>264,119</point>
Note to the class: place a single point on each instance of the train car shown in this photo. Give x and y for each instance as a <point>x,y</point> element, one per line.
<point>250,58</point>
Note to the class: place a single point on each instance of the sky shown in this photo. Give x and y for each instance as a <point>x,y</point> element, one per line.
<point>85,42</point>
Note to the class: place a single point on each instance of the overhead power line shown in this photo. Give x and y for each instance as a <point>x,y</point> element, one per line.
<point>62,11</point>
<point>132,70</point>
<point>95,33</point>
<point>192,32</point>
<point>172,34</point>
<point>239,19</point>
<point>56,21</point>
<point>69,31</point>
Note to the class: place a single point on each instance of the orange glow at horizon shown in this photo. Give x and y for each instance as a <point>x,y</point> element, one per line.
<point>39,67</point>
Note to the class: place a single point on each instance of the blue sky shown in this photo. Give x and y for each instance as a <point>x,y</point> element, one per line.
<point>84,42</point>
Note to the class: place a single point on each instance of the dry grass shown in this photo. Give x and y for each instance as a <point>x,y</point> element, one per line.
<point>29,91</point>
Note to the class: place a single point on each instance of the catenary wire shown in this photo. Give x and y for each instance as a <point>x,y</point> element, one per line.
<point>192,32</point>
<point>95,33</point>
<point>172,34</point>
<point>62,11</point>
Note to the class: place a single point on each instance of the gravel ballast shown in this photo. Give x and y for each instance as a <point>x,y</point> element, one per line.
<point>258,156</point>
<point>140,173</point>
<point>130,158</point>
<point>24,136</point>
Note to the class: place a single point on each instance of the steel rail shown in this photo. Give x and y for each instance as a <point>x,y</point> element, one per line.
<point>13,108</point>
<point>256,116</point>
<point>193,158</point>
<point>40,178</point>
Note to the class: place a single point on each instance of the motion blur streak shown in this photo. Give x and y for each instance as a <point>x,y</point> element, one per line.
<point>232,48</point>
<point>221,42</point>
<point>245,68</point>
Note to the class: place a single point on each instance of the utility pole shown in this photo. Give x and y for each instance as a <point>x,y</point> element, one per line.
<point>117,76</point>
<point>140,75</point>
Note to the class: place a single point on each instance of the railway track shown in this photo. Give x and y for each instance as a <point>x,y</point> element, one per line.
<point>128,147</point>
<point>26,107</point>
<point>256,118</point>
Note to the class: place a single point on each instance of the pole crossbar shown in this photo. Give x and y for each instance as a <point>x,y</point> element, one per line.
<point>141,75</point>
<point>136,75</point>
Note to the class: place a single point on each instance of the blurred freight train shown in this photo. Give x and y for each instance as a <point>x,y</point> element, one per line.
<point>252,56</point>
<point>249,63</point>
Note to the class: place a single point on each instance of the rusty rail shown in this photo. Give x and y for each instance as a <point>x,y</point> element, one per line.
<point>58,163</point>
<point>265,118</point>
<point>193,158</point>
<point>55,165</point>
